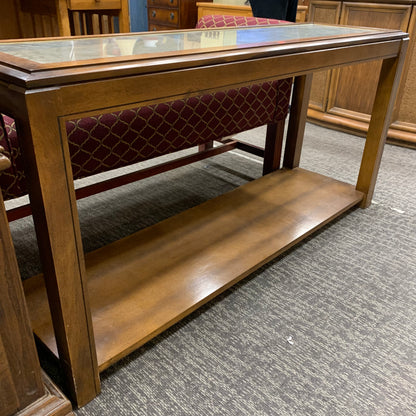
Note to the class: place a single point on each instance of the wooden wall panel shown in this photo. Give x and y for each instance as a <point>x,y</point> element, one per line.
<point>353,87</point>
<point>406,111</point>
<point>343,99</point>
<point>322,12</point>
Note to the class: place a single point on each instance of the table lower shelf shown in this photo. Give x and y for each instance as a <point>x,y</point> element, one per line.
<point>144,283</point>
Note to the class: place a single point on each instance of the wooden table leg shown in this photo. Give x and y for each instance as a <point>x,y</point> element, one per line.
<point>21,383</point>
<point>380,120</point>
<point>52,195</point>
<point>297,120</point>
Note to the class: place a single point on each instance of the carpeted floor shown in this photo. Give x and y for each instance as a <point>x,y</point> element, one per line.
<point>329,328</point>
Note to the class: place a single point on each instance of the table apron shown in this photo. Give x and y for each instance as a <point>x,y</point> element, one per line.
<point>93,97</point>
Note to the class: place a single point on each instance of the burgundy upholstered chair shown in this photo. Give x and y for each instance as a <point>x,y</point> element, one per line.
<point>108,141</point>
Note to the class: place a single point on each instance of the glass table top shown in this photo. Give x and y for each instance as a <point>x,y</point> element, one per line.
<point>48,51</point>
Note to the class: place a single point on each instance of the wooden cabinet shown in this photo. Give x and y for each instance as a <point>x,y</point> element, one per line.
<point>171,14</point>
<point>343,98</point>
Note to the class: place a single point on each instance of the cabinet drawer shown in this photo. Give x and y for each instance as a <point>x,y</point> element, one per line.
<point>94,4</point>
<point>164,16</point>
<point>163,3</point>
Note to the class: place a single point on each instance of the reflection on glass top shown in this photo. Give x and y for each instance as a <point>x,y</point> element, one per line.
<point>66,50</point>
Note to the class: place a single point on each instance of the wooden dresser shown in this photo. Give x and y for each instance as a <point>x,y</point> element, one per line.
<point>342,98</point>
<point>171,14</point>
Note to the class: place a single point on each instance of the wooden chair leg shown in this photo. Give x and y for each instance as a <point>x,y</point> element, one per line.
<point>206,146</point>
<point>273,146</point>
<point>297,120</point>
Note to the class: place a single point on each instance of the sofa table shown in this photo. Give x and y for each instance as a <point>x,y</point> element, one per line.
<point>117,298</point>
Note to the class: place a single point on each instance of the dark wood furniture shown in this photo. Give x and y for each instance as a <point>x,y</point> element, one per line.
<point>342,98</point>
<point>101,307</point>
<point>24,387</point>
<point>35,18</point>
<point>171,14</point>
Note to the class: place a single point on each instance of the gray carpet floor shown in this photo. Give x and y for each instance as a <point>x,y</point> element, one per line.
<point>328,328</point>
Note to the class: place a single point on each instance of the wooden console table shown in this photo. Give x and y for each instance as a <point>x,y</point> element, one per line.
<point>118,298</point>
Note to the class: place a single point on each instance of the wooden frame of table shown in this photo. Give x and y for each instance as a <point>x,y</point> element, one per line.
<point>101,308</point>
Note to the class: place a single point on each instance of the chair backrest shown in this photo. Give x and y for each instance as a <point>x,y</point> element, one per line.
<point>87,22</point>
<point>36,18</point>
<point>214,20</point>
<point>101,17</point>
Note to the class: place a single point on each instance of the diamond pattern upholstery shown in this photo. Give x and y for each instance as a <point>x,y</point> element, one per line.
<point>225,20</point>
<point>12,180</point>
<point>107,141</point>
